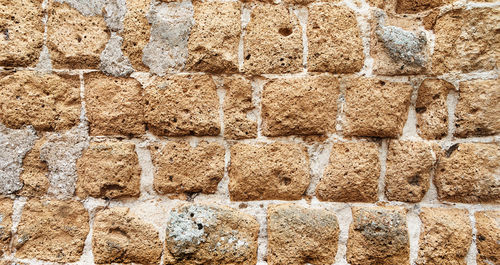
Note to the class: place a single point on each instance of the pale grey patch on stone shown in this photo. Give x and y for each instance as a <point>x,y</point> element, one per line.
<point>14,144</point>
<point>44,63</point>
<point>402,45</point>
<point>113,61</point>
<point>86,7</point>
<point>115,11</point>
<point>171,26</point>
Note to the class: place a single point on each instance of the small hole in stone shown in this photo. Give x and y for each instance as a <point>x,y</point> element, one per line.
<point>79,39</point>
<point>192,215</point>
<point>170,178</point>
<point>248,57</point>
<point>421,109</point>
<point>286,181</point>
<point>435,96</point>
<point>382,83</point>
<point>285,31</point>
<point>200,226</point>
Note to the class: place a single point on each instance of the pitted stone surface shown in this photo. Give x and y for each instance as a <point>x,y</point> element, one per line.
<point>412,6</point>
<point>5,225</point>
<point>210,234</point>
<point>238,106</point>
<point>488,237</point>
<point>432,109</point>
<point>136,32</point>
<point>35,175</point>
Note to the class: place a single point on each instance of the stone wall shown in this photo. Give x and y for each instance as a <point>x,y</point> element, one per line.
<point>253,132</point>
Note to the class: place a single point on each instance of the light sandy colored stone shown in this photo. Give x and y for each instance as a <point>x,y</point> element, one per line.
<point>121,237</point>
<point>181,168</point>
<point>35,175</point>
<point>277,171</point>
<point>46,101</point>
<point>300,106</point>
<point>136,31</point>
<point>334,38</point>
<point>210,234</point>
<point>273,41</point>
<point>238,106</point>
<point>178,105</point>
<point>299,235</point>
<point>445,236</point>
<point>352,173</point>
<point>5,225</point>
<point>488,237</point>
<point>413,6</point>
<point>432,109</point>
<point>52,230</point>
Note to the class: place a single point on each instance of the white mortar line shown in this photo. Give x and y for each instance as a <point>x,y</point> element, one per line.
<point>344,217</point>
<point>414,226</point>
<point>383,160</point>
<point>302,14</point>
<point>245,19</point>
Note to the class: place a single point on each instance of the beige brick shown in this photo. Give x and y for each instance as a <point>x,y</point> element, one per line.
<point>431,108</point>
<point>114,105</point>
<point>445,236</point>
<point>21,32</point>
<point>52,230</point>
<point>466,41</point>
<point>215,37</point>
<point>415,6</point>
<point>375,107</point>
<point>46,101</point>
<point>238,106</point>
<point>210,234</point>
<point>122,237</point>
<point>300,106</point>
<point>273,41</point>
<point>478,109</point>
<point>378,236</point>
<point>276,171</point>
<point>468,173</point>
<point>75,40</point>
<point>334,38</point>
<point>35,175</point>
<point>136,30</point>
<point>183,105</point>
<point>352,173</point>
<point>488,237</point>
<point>108,170</point>
<point>298,235</point>
<point>181,168</point>
<point>5,225</point>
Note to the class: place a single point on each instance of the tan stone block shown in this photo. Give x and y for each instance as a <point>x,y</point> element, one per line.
<point>487,238</point>
<point>108,170</point>
<point>35,175</point>
<point>181,168</point>
<point>466,41</point>
<point>114,105</point>
<point>136,31</point>
<point>21,32</point>
<point>378,236</point>
<point>415,6</point>
<point>238,106</point>
<point>215,37</point>
<point>52,230</point>
<point>210,234</point>
<point>445,236</point>
<point>299,235</point>
<point>478,109</point>
<point>300,106</point>
<point>468,173</point>
<point>334,38</point>
<point>375,107</point>
<point>46,101</point>
<point>273,41</point>
<point>122,237</point>
<point>5,225</point>
<point>178,105</point>
<point>352,173</point>
<point>276,171</point>
<point>431,108</point>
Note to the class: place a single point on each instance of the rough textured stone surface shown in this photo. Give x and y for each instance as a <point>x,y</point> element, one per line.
<point>215,37</point>
<point>378,236</point>
<point>334,37</point>
<point>431,108</point>
<point>113,62</point>
<point>466,41</point>
<point>136,32</point>
<point>298,235</point>
<point>303,106</point>
<point>276,171</point>
<point>352,173</point>
<point>52,231</point>
<point>375,107</point>
<point>273,41</point>
<point>488,237</point>
<point>108,170</point>
<point>178,105</point>
<point>35,175</point>
<point>5,224</point>
<point>209,234</point>
<point>21,32</point>
<point>412,6</point>
<point>478,109</point>
<point>121,237</point>
<point>75,40</point>
<point>408,170</point>
<point>181,168</point>
<point>238,107</point>
<point>114,105</point>
<point>469,173</point>
<point>46,101</point>
<point>445,236</point>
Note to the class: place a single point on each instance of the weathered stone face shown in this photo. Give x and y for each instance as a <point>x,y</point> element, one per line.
<point>487,237</point>
<point>35,173</point>
<point>210,234</point>
<point>352,173</point>
<point>136,31</point>
<point>121,237</point>
<point>5,225</point>
<point>431,108</point>
<point>298,235</point>
<point>412,6</point>
<point>238,106</point>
